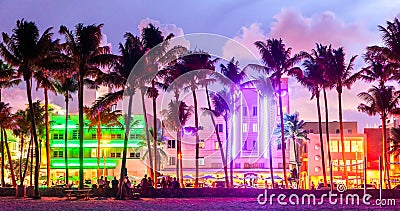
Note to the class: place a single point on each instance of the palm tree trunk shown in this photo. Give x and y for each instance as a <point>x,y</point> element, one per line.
<point>20,161</point>
<point>3,183</point>
<point>27,160</point>
<point>327,138</point>
<point>297,159</point>
<point>46,116</point>
<point>14,182</point>
<point>124,152</point>
<point>147,135</point>
<point>179,164</point>
<point>177,154</point>
<point>282,134</point>
<point>321,140</point>
<point>31,166</point>
<point>154,133</point>
<point>66,139</point>
<point>342,136</point>
<point>386,161</point>
<point>35,139</point>
<point>196,125</point>
<point>219,140</point>
<point>227,152</point>
<point>80,107</point>
<point>98,143</point>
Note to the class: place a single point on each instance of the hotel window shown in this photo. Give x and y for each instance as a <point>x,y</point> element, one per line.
<point>280,146</point>
<point>349,131</point>
<point>216,145</point>
<point>115,154</point>
<point>134,136</point>
<point>116,136</point>
<point>93,154</point>
<point>201,161</point>
<point>254,110</point>
<point>347,146</point>
<point>255,128</point>
<point>171,144</point>
<point>171,161</point>
<point>202,145</point>
<point>311,131</point>
<point>356,146</point>
<point>337,131</point>
<point>94,136</point>
<point>201,127</point>
<point>254,144</point>
<point>58,154</point>
<point>220,127</point>
<point>58,136</point>
<point>348,162</point>
<point>335,165</point>
<point>75,134</point>
<point>244,111</point>
<point>334,146</point>
<point>245,127</point>
<point>341,163</point>
<point>134,155</point>
<point>244,147</point>
<point>237,165</point>
<point>354,162</point>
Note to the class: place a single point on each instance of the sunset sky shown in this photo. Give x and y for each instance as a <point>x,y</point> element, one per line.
<point>301,24</point>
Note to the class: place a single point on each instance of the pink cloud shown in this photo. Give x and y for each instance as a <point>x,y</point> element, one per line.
<point>164,28</point>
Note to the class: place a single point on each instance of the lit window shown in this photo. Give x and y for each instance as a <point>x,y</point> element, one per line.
<point>94,136</point>
<point>335,165</point>
<point>201,161</point>
<point>347,146</point>
<point>254,145</point>
<point>254,110</point>
<point>317,169</point>
<point>255,128</point>
<point>58,136</point>
<point>334,146</point>
<point>116,136</point>
<point>202,145</point>
<point>216,145</point>
<point>58,154</point>
<point>244,147</point>
<point>245,127</point>
<point>134,136</point>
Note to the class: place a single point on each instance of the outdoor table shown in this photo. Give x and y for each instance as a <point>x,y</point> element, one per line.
<point>78,192</point>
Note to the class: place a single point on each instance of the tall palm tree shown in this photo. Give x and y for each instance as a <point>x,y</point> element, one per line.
<point>66,86</point>
<point>177,115</point>
<point>341,74</point>
<point>218,111</point>
<point>8,78</point>
<point>383,101</point>
<point>100,116</point>
<point>236,77</point>
<point>294,130</point>
<point>45,81</point>
<point>313,80</point>
<point>277,62</point>
<point>25,49</point>
<point>84,56</point>
<point>8,121</point>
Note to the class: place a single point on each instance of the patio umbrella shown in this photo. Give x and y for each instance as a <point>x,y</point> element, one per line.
<point>252,177</point>
<point>207,177</point>
<point>187,177</point>
<point>73,178</point>
<point>60,178</point>
<point>43,178</point>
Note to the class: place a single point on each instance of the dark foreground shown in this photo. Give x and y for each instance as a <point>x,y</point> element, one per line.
<point>170,204</point>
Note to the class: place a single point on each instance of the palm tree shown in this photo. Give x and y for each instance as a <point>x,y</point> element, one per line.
<point>45,81</point>
<point>236,78</point>
<point>278,62</point>
<point>84,56</point>
<point>341,74</point>
<point>25,49</point>
<point>294,130</point>
<point>66,86</point>
<point>395,142</point>
<point>313,79</point>
<point>177,115</point>
<point>8,78</point>
<point>382,101</point>
<point>100,116</point>
<point>218,111</point>
<point>8,121</point>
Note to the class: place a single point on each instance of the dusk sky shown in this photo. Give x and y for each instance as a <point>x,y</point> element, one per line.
<point>301,24</point>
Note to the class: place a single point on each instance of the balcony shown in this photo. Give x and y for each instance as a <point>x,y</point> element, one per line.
<point>88,163</point>
<point>93,143</point>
